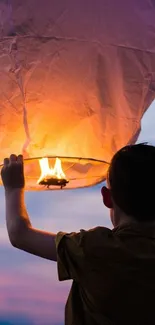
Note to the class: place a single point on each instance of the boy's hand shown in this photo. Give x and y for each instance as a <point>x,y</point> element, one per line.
<point>12,172</point>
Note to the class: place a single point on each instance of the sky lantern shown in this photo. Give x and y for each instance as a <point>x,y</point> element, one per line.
<point>76,78</point>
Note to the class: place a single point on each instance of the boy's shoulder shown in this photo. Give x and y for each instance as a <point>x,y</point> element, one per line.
<point>84,240</point>
<point>97,238</point>
<point>98,232</point>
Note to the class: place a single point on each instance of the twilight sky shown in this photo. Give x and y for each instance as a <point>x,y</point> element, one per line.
<point>29,290</point>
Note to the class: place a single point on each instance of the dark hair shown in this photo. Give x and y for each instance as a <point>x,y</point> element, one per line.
<point>132,181</point>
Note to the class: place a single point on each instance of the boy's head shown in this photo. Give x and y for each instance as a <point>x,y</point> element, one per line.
<point>131,183</point>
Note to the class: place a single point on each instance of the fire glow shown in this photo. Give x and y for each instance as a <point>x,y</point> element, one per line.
<point>51,176</point>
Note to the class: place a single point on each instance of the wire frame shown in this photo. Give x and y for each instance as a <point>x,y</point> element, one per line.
<point>79,172</point>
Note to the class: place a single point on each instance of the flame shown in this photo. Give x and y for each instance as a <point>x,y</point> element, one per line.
<point>47,172</point>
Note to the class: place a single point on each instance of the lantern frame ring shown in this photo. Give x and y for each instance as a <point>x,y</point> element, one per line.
<point>68,159</point>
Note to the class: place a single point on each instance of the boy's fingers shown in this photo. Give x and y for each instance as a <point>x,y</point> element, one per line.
<point>13,158</point>
<point>6,161</point>
<point>20,159</point>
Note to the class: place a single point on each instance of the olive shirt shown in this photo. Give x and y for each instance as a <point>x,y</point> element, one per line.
<point>113,274</point>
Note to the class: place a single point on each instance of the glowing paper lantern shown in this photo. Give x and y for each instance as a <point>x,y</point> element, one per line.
<point>75,80</point>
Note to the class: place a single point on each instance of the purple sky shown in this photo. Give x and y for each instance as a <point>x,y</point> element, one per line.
<point>29,290</point>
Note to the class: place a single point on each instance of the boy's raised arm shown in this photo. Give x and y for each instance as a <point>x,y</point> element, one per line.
<point>21,233</point>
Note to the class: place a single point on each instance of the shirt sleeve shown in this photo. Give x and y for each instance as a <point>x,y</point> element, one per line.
<point>71,259</point>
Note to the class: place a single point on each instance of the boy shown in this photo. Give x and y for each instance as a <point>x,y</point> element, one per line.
<point>113,271</point>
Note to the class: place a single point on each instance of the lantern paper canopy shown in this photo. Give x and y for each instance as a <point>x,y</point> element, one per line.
<point>75,80</point>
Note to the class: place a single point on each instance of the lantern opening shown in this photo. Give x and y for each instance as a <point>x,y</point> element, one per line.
<point>52,176</point>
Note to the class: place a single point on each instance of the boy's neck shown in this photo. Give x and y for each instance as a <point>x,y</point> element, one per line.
<point>123,220</point>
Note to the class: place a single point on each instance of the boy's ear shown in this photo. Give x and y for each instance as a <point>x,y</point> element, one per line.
<point>106,197</point>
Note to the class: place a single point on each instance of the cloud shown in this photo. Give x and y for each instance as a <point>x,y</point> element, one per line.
<point>42,301</point>
<point>17,319</point>
<point>68,211</point>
